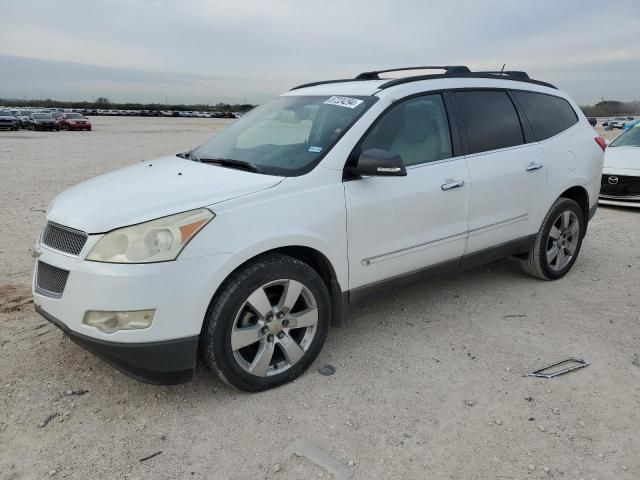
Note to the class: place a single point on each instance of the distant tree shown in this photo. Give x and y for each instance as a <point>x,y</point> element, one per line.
<point>608,108</point>
<point>102,101</point>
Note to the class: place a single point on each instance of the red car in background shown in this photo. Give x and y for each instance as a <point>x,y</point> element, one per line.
<point>74,121</point>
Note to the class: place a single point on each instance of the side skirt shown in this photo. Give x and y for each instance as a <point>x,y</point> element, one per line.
<point>516,247</point>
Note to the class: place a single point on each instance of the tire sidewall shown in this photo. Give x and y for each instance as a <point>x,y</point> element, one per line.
<point>222,313</point>
<point>561,206</point>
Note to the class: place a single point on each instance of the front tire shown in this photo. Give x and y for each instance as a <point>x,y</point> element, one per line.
<point>267,324</point>
<point>558,242</point>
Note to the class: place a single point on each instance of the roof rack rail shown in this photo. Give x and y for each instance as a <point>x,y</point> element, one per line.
<point>449,69</point>
<point>508,73</point>
<point>511,75</point>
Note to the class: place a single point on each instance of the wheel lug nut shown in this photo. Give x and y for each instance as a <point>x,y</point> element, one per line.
<point>265,329</point>
<point>280,335</point>
<point>280,315</point>
<point>285,323</point>
<point>270,338</point>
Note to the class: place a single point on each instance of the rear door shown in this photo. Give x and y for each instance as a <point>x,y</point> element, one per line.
<point>507,174</point>
<point>402,225</point>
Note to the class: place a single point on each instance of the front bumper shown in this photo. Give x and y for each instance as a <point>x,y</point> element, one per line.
<point>78,126</point>
<point>179,291</point>
<point>620,202</point>
<point>625,192</point>
<point>169,362</point>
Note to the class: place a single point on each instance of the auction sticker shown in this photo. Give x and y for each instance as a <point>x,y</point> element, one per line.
<point>344,101</point>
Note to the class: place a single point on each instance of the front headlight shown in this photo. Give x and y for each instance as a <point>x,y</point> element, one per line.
<point>155,241</point>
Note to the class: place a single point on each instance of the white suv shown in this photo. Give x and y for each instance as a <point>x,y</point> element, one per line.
<point>249,247</point>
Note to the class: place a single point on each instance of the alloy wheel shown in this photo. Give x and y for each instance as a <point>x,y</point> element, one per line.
<point>563,240</point>
<point>274,327</point>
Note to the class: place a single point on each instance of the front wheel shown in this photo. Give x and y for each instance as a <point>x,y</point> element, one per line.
<point>267,324</point>
<point>557,243</point>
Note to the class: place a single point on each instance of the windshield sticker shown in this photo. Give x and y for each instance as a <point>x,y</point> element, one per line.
<point>315,149</point>
<point>344,101</point>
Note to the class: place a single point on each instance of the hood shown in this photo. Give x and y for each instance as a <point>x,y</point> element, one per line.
<point>622,157</point>
<point>150,190</point>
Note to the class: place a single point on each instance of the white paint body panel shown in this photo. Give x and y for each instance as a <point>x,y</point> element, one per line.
<point>402,224</point>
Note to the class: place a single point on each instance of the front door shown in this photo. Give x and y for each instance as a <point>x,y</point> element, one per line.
<point>402,225</point>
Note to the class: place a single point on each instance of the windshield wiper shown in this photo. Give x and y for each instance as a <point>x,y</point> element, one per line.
<point>185,155</point>
<point>230,163</point>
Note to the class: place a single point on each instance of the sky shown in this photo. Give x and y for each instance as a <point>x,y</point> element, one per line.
<point>210,51</point>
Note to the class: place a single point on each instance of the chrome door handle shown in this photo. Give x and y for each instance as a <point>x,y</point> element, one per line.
<point>451,184</point>
<point>533,166</point>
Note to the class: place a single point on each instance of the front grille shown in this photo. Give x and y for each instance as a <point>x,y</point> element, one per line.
<point>50,280</point>
<point>64,239</point>
<point>627,186</point>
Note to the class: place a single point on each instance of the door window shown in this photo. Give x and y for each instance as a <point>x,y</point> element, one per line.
<point>490,118</point>
<point>416,129</point>
<point>547,115</point>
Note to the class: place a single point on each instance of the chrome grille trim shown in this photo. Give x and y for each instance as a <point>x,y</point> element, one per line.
<point>63,239</point>
<point>50,280</point>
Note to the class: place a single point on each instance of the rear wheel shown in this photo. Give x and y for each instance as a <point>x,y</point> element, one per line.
<point>268,323</point>
<point>558,241</point>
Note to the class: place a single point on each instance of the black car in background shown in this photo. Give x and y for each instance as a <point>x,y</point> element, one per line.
<point>43,121</point>
<point>8,120</point>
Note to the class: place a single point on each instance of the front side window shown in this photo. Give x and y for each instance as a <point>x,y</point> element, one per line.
<point>547,115</point>
<point>416,129</point>
<point>490,118</point>
<point>630,138</point>
<point>286,136</point>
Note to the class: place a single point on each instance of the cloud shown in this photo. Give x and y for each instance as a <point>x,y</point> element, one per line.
<point>272,45</point>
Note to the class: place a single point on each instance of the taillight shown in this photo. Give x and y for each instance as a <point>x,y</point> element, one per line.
<point>602,142</point>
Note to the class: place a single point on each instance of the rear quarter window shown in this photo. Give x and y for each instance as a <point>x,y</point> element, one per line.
<point>547,115</point>
<point>490,118</point>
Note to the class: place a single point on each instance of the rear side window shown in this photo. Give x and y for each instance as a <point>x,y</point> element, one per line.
<point>491,120</point>
<point>547,115</point>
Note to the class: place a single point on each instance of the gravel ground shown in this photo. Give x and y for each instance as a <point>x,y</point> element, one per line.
<point>428,384</point>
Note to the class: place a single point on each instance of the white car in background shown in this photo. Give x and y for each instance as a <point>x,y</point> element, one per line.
<point>621,172</point>
<point>618,122</point>
<point>248,247</point>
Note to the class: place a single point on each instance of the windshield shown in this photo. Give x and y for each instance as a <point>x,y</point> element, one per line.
<point>73,115</point>
<point>42,115</point>
<point>287,136</point>
<point>630,138</point>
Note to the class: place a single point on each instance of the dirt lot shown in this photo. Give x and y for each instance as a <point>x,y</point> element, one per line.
<point>428,384</point>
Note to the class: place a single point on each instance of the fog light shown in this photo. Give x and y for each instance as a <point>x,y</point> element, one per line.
<point>109,322</point>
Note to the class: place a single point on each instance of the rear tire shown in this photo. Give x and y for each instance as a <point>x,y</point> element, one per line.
<point>267,324</point>
<point>558,242</point>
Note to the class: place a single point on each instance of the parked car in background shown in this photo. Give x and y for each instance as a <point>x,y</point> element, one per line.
<point>618,122</point>
<point>74,121</point>
<point>43,121</point>
<point>8,120</point>
<point>23,118</point>
<point>621,173</point>
<point>372,183</point>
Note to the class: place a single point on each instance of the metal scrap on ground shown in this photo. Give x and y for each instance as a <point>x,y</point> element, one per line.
<point>320,457</point>
<point>560,368</point>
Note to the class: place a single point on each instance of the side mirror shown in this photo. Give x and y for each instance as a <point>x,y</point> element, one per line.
<point>379,163</point>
